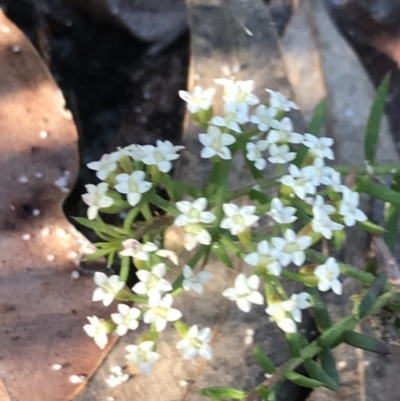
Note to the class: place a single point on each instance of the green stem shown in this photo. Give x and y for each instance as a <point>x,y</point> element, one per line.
<point>380,169</point>
<point>231,246</point>
<point>125,264</point>
<point>264,184</point>
<point>145,209</point>
<point>163,204</point>
<point>129,219</point>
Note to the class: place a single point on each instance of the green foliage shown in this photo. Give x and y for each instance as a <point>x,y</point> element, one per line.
<point>317,373</point>
<point>223,393</point>
<point>371,295</point>
<point>329,365</point>
<point>364,342</point>
<point>263,360</point>
<point>392,218</point>
<point>302,380</point>
<point>220,251</point>
<point>321,314</point>
<point>367,185</point>
<point>374,120</point>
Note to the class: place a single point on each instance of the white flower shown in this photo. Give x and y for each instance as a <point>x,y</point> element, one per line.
<point>126,319</point>
<point>108,288</point>
<point>196,343</point>
<point>152,282</point>
<point>280,315</point>
<point>133,185</point>
<point>280,154</point>
<point>135,249</point>
<point>234,115</point>
<point>106,165</point>
<point>161,155</point>
<point>193,219</point>
<point>194,281</point>
<point>165,253</point>
<point>319,147</point>
<point>266,257</point>
<point>96,198</point>
<point>98,330</point>
<point>336,181</point>
<point>264,117</point>
<point>280,213</point>
<point>348,208</point>
<point>238,92</point>
<point>292,247</point>
<point>295,304</point>
<point>328,275</point>
<point>142,355</point>
<point>280,101</point>
<point>254,153</point>
<point>282,132</point>
<point>160,311</point>
<point>318,172</point>
<point>134,151</point>
<point>198,99</point>
<point>300,181</point>
<point>245,292</point>
<point>321,222</point>
<point>216,143</point>
<point>238,219</point>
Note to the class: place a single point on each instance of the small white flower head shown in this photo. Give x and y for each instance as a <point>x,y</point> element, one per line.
<point>196,342</point>
<point>126,319</point>
<point>245,292</point>
<point>106,165</point>
<point>137,250</point>
<point>108,288</point>
<point>282,132</point>
<point>280,213</point>
<point>239,92</point>
<point>266,257</point>
<point>152,281</point>
<point>328,275</point>
<point>166,253</point>
<point>134,151</point>
<point>280,315</point>
<point>264,117</point>
<point>292,247</point>
<point>133,185</point>
<point>234,115</point>
<point>98,330</point>
<point>280,154</point>
<point>321,222</point>
<point>143,356</point>
<point>318,172</point>
<point>161,155</point>
<point>280,101</point>
<point>238,219</point>
<point>193,219</point>
<point>193,281</point>
<point>160,311</point>
<point>319,147</point>
<point>96,199</point>
<point>216,143</point>
<point>295,304</point>
<point>254,153</point>
<point>198,99</point>
<point>300,181</point>
<point>349,208</point>
<point>336,181</point>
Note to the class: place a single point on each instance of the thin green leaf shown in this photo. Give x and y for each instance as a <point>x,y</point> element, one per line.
<point>303,381</point>
<point>374,120</point>
<point>263,360</point>
<point>371,295</point>
<point>370,227</point>
<point>329,365</point>
<point>317,373</point>
<point>378,191</point>
<point>98,254</point>
<point>364,342</point>
<point>339,236</point>
<point>260,197</point>
<point>392,218</point>
<point>189,189</point>
<point>221,254</point>
<point>296,342</point>
<point>223,392</point>
<point>321,313</point>
<point>314,128</point>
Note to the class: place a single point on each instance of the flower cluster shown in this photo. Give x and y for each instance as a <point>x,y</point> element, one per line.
<point>308,191</point>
